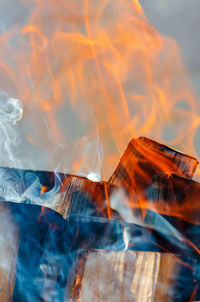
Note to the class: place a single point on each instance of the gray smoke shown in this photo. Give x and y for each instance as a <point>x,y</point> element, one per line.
<point>11,111</point>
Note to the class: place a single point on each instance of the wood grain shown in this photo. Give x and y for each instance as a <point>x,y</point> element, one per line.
<point>125,276</point>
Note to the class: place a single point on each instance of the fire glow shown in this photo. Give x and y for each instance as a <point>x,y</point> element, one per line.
<point>119,78</point>
<point>107,68</point>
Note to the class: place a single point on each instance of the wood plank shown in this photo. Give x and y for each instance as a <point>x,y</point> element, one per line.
<point>8,254</point>
<point>125,276</point>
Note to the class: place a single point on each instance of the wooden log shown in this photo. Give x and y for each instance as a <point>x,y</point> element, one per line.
<point>143,159</point>
<point>85,204</point>
<point>44,255</point>
<point>70,194</point>
<point>66,194</point>
<point>9,239</point>
<point>81,196</point>
<point>174,202</point>
<point>175,196</point>
<point>102,276</point>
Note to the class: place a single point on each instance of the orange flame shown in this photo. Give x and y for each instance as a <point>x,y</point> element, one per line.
<point>105,61</point>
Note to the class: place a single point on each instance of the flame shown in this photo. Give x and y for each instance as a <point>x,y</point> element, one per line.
<point>113,73</point>
<point>44,189</point>
<point>104,61</point>
<point>113,76</point>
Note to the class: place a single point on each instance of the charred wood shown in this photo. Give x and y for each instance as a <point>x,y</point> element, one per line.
<point>144,158</point>
<point>141,161</point>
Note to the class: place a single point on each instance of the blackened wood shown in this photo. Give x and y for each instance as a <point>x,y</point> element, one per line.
<point>144,158</point>
<point>175,196</point>
<point>174,203</point>
<point>49,246</point>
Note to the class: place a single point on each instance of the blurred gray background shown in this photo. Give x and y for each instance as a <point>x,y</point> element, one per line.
<point>179,19</point>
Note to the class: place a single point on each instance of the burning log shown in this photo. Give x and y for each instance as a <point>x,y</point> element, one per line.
<point>142,159</point>
<point>95,226</point>
<point>68,194</point>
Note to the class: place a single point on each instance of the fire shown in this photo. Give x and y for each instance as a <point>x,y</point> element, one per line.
<point>97,74</point>
<point>44,189</point>
<point>110,67</point>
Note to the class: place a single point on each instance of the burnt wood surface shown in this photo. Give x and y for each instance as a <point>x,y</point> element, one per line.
<point>144,158</point>
<point>141,161</point>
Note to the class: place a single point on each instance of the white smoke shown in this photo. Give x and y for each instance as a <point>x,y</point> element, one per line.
<point>119,201</point>
<point>11,111</point>
<point>91,155</point>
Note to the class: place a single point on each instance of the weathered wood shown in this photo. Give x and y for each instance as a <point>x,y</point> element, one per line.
<point>81,196</point>
<point>40,256</point>
<point>9,239</point>
<point>66,194</point>
<point>126,276</point>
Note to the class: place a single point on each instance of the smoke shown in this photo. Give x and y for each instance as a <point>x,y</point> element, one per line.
<point>11,182</point>
<point>11,112</point>
<point>91,155</point>
<point>119,201</point>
